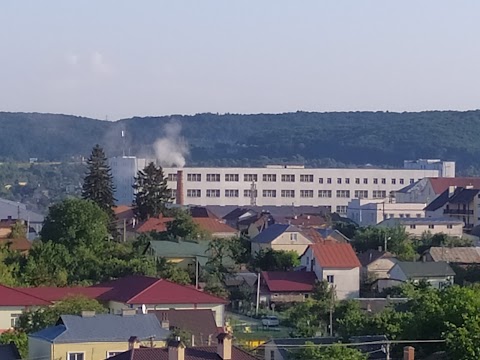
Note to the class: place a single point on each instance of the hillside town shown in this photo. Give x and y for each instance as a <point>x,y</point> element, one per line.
<point>283,262</point>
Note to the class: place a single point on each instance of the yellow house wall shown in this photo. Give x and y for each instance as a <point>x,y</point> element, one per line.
<point>283,242</point>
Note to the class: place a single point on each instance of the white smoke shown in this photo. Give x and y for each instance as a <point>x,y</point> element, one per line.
<point>172,148</point>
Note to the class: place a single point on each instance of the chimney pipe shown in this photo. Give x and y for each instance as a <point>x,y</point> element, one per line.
<point>176,350</point>
<point>224,346</point>
<point>408,353</point>
<point>180,195</point>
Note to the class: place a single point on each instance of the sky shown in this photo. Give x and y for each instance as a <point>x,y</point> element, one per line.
<point>114,59</point>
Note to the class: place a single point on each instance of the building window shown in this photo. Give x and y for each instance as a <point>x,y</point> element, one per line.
<point>400,215</point>
<point>113,353</point>
<point>357,180</point>
<point>194,177</point>
<point>384,181</point>
<point>173,193</point>
<point>339,180</point>
<point>269,193</point>
<point>194,193</point>
<point>407,215</point>
<point>375,180</point>
<point>76,356</point>
<point>248,193</point>
<point>341,209</point>
<point>306,193</point>
<point>250,177</point>
<point>361,194</point>
<point>413,226</point>
<point>293,236</point>
<point>343,193</point>
<point>213,193</point>
<point>14,320</point>
<point>330,279</point>
<point>329,180</point>
<point>231,193</point>
<point>231,177</point>
<point>402,181</point>
<point>306,178</point>
<point>272,355</point>
<point>365,181</point>
<point>320,180</point>
<point>288,178</point>
<point>269,177</point>
<point>347,180</point>
<point>431,226</point>
<point>394,181</point>
<point>412,181</point>
<point>213,177</point>
<point>419,215</point>
<point>449,226</point>
<point>172,177</point>
<point>288,193</point>
<point>379,194</point>
<point>325,193</point>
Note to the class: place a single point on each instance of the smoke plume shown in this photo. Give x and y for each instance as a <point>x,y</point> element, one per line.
<point>171,149</point>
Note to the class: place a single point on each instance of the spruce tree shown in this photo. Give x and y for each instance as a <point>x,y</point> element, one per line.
<point>151,192</point>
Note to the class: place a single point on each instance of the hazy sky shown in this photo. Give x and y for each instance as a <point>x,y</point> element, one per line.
<point>125,58</point>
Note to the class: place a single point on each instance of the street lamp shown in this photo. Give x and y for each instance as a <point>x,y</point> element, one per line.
<point>386,240</point>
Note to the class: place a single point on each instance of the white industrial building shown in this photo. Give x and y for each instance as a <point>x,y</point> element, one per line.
<point>273,185</point>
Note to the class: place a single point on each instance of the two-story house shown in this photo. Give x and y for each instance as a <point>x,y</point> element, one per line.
<point>281,237</point>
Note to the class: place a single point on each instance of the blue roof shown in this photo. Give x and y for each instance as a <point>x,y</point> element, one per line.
<point>103,328</point>
<point>272,232</point>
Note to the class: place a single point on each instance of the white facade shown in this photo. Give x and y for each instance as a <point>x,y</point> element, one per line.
<point>369,212</point>
<point>418,227</point>
<point>345,281</point>
<point>446,168</point>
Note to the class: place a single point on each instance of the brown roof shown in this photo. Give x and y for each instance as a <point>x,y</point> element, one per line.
<point>158,224</point>
<point>18,244</point>
<point>200,323</point>
<point>441,184</point>
<point>335,255</point>
<point>214,226</point>
<point>460,255</point>
<point>369,256</point>
<point>307,220</point>
<point>191,353</point>
<point>313,235</point>
<point>289,281</point>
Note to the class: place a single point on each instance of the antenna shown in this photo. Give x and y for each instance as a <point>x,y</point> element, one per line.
<point>123,141</point>
<point>253,194</point>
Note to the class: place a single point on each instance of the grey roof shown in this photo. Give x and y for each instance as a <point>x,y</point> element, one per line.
<point>420,269</point>
<point>9,352</point>
<point>438,202</point>
<point>459,255</point>
<point>332,233</point>
<point>424,221</point>
<point>272,232</point>
<point>14,209</point>
<point>103,328</point>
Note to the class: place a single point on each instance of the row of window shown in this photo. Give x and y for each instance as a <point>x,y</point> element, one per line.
<point>431,226</point>
<point>307,178</point>
<point>232,193</point>
<point>81,355</point>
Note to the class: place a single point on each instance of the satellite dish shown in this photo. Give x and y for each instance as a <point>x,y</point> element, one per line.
<point>144,309</point>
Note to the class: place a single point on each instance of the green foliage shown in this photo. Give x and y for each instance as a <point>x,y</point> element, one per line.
<point>19,338</point>
<point>151,192</point>
<point>38,319</point>
<point>172,272</point>
<point>19,230</point>
<point>331,352</point>
<point>183,227</point>
<point>240,249</point>
<point>9,266</point>
<point>273,260</point>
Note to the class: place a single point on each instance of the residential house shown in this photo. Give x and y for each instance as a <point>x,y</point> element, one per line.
<point>11,210</point>
<point>200,324</point>
<point>286,286</point>
<point>281,237</point>
<point>21,244</point>
<point>375,265</point>
<point>95,336</point>
<point>333,234</point>
<point>437,274</point>
<point>416,227</point>
<point>369,212</point>
<point>336,263</point>
<point>182,253</point>
<point>9,352</point>
<point>176,350</point>
<point>461,256</point>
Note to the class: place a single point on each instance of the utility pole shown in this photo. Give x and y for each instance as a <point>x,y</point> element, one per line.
<point>387,350</point>
<point>331,309</point>
<point>258,295</point>
<point>196,273</point>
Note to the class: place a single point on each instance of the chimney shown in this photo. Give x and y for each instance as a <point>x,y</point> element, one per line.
<point>88,313</point>
<point>129,312</point>
<point>165,323</point>
<point>133,343</point>
<point>179,196</point>
<point>224,346</point>
<point>176,350</point>
<point>408,353</point>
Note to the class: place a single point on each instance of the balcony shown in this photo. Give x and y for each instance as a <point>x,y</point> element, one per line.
<point>458,212</point>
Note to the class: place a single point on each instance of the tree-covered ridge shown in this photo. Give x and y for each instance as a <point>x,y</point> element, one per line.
<point>381,138</point>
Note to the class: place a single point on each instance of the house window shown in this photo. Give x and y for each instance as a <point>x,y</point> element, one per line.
<point>231,193</point>
<point>288,193</point>
<point>288,178</point>
<point>431,226</point>
<point>172,177</point>
<point>407,215</point>
<point>213,193</point>
<point>419,215</point>
<point>412,181</point>
<point>375,180</point>
<point>250,177</point>
<point>306,193</point>
<point>402,181</point>
<point>357,180</point>
<point>394,181</point>
<point>213,177</point>
<point>320,180</point>
<point>361,194</point>
<point>365,180</point>
<point>347,180</point>
<point>231,177</point>
<point>173,193</point>
<point>293,236</point>
<point>384,181</point>
<point>329,180</point>
<point>449,226</point>
<point>194,177</point>
<point>272,355</point>
<point>248,193</point>
<point>76,356</point>
<point>379,194</point>
<point>269,193</point>
<point>325,193</point>
<point>330,279</point>
<point>14,320</point>
<point>194,193</point>
<point>339,180</point>
<point>413,227</point>
<point>341,209</point>
<point>269,177</point>
<point>343,193</point>
<point>306,178</point>
<point>113,353</point>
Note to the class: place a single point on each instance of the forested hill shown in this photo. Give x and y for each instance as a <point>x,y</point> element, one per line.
<point>318,139</point>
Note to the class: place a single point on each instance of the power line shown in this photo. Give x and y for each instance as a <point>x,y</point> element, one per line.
<point>379,342</point>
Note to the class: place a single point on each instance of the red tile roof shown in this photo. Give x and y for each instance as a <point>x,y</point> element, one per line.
<point>123,212</point>
<point>335,255</point>
<point>307,220</point>
<point>147,290</point>
<point>191,353</point>
<point>439,185</point>
<point>154,224</point>
<point>59,293</point>
<point>214,226</point>
<point>18,244</point>
<point>13,297</point>
<point>289,281</point>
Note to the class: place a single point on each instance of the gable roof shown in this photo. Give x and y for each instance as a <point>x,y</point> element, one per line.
<point>157,224</point>
<point>463,196</point>
<point>53,294</point>
<point>201,212</point>
<point>335,255</point>
<point>274,231</point>
<point>214,226</point>
<point>16,210</point>
<point>369,256</point>
<point>9,352</point>
<point>191,353</point>
<point>138,289</point>
<point>332,233</point>
<point>438,202</point>
<point>235,214</point>
<point>199,322</point>
<point>17,244</point>
<point>289,281</point>
<point>103,328</point>
<point>440,184</point>
<point>15,297</point>
<point>462,255</point>
<point>420,269</point>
